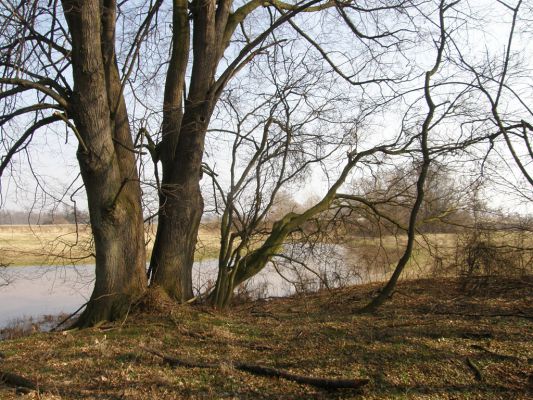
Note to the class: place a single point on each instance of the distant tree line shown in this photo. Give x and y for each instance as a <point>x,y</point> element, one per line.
<point>65,215</point>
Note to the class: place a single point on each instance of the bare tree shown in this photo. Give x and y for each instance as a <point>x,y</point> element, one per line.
<point>47,49</point>
<point>273,144</point>
<point>422,137</point>
<point>209,45</point>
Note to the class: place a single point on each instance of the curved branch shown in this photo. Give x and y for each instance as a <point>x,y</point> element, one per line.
<point>36,107</point>
<point>360,34</point>
<point>244,53</point>
<point>22,140</point>
<point>372,206</point>
<point>35,36</point>
<point>43,80</point>
<point>242,12</point>
<point>24,84</point>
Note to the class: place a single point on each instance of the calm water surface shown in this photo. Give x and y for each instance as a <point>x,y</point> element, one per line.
<point>35,291</point>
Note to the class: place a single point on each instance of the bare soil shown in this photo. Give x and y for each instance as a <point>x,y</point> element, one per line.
<point>434,339</point>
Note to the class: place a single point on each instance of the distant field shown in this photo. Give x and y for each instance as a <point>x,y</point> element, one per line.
<point>68,244</point>
<point>433,254</point>
<point>436,254</point>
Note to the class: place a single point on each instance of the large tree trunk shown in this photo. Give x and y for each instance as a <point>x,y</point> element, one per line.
<point>184,128</point>
<point>107,162</point>
<point>182,147</point>
<point>173,253</point>
<point>181,208</point>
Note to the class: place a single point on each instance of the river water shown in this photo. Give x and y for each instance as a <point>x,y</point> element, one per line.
<point>34,291</point>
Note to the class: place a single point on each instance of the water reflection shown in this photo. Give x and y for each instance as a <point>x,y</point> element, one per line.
<point>36,290</point>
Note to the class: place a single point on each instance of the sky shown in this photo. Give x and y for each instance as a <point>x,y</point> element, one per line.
<point>52,152</point>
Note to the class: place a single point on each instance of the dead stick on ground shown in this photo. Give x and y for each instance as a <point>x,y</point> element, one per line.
<point>501,356</point>
<point>475,369</point>
<point>510,315</point>
<point>494,354</point>
<point>323,383</point>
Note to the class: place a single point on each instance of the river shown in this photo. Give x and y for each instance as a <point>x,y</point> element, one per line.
<point>34,291</point>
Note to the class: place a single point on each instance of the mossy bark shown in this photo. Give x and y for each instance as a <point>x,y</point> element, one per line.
<point>107,162</point>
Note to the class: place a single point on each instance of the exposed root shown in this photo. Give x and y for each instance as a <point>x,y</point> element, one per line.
<point>475,369</point>
<point>323,383</point>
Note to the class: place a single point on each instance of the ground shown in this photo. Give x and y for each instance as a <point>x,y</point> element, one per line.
<point>434,339</point>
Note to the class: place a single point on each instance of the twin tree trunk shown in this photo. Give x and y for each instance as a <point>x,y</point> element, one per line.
<point>182,145</point>
<point>107,158</point>
<point>181,208</point>
<point>107,162</point>
<point>106,152</point>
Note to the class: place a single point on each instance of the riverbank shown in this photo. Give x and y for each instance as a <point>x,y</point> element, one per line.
<point>435,339</point>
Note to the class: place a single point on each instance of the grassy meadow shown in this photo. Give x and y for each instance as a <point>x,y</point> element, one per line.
<point>71,244</point>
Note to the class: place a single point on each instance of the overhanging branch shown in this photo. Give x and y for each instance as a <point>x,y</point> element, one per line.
<point>22,140</point>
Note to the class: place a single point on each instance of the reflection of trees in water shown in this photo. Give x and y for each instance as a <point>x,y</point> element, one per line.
<point>311,267</point>
<point>4,278</point>
<point>303,268</point>
<point>56,278</point>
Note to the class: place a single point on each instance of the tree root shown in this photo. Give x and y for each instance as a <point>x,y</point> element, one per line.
<point>323,383</point>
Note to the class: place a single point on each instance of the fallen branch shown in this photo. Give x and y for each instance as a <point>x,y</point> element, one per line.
<point>506,315</point>
<point>475,369</point>
<point>499,356</point>
<point>323,383</point>
<point>55,328</point>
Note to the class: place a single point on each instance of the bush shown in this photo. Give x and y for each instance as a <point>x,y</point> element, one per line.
<point>481,255</point>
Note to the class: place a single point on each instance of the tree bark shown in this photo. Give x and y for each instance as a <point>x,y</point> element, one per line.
<point>180,212</point>
<point>181,150</point>
<point>107,162</point>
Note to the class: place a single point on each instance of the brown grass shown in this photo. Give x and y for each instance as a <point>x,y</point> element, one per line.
<point>418,346</point>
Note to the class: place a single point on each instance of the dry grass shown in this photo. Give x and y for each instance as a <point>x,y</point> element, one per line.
<point>416,347</point>
<point>433,254</point>
<point>71,244</point>
<point>45,244</point>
